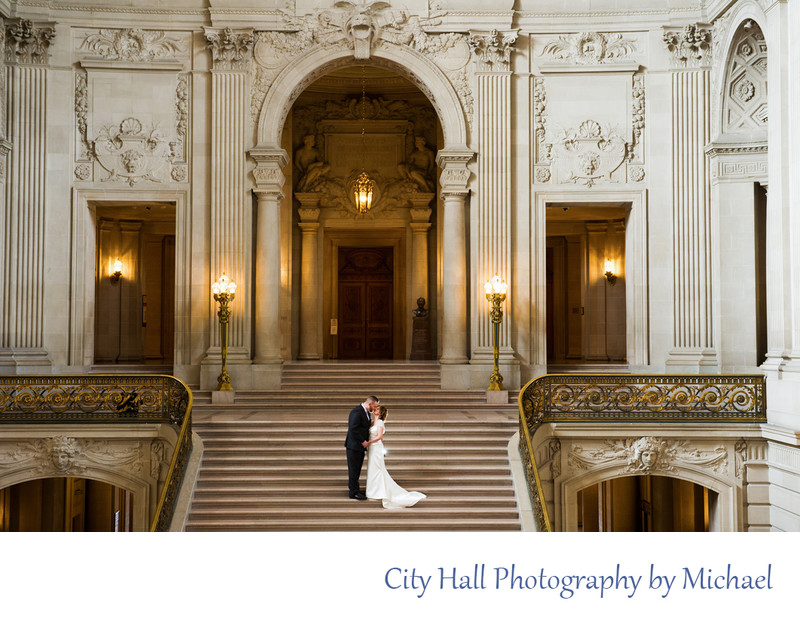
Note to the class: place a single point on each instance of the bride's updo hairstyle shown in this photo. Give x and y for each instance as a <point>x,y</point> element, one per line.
<point>383,412</point>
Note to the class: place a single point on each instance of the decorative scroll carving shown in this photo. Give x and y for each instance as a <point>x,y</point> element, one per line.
<point>588,155</point>
<point>690,47</point>
<point>131,44</point>
<point>493,50</point>
<point>131,155</point>
<point>590,48</point>
<point>68,456</point>
<point>230,50</point>
<point>27,42</point>
<point>647,455</point>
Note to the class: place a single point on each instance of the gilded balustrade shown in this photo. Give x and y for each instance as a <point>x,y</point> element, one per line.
<point>630,399</point>
<point>114,399</point>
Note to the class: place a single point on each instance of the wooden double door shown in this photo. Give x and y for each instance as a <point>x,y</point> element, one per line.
<point>366,303</point>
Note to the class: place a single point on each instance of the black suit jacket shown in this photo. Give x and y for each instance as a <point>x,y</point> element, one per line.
<point>357,428</point>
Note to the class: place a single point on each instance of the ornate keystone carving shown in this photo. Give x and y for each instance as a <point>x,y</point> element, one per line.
<point>590,48</point>
<point>493,49</point>
<point>131,44</point>
<point>27,42</point>
<point>690,47</point>
<point>230,50</point>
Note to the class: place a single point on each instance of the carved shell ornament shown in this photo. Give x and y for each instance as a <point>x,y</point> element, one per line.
<point>131,155</point>
<point>587,155</point>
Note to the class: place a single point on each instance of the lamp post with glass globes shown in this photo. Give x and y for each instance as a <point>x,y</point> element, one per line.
<point>224,291</point>
<point>496,291</point>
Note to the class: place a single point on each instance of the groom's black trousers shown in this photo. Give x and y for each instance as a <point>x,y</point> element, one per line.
<point>355,460</point>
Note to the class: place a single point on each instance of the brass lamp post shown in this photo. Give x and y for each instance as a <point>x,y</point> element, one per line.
<point>496,291</point>
<point>224,291</point>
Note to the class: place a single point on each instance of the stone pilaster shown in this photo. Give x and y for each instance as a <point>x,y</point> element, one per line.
<point>491,216</point>
<point>694,347</point>
<point>420,226</point>
<point>22,220</point>
<point>231,207</point>
<point>310,281</point>
<point>270,180</point>
<point>454,190</point>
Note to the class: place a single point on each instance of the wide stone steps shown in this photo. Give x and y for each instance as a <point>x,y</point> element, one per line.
<point>275,460</point>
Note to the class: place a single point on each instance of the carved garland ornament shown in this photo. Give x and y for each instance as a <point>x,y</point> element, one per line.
<point>131,44</point>
<point>590,48</point>
<point>648,455</point>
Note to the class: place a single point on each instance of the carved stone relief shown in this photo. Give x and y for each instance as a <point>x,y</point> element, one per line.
<point>590,48</point>
<point>230,49</point>
<point>648,455</point>
<point>377,26</point>
<point>68,456</point>
<point>493,50</point>
<point>588,154</point>
<point>27,42</point>
<point>690,47</point>
<point>740,454</point>
<point>132,44</point>
<point>745,94</point>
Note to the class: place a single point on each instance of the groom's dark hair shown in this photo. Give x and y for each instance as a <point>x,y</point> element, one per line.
<point>372,399</point>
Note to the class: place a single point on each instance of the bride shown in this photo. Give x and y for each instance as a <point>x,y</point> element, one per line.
<point>380,484</point>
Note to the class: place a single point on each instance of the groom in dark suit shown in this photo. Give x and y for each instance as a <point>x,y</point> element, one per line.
<point>356,443</point>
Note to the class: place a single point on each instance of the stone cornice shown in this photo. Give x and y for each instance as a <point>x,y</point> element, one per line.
<point>715,149</point>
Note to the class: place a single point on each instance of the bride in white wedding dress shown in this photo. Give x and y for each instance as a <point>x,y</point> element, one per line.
<point>380,484</point>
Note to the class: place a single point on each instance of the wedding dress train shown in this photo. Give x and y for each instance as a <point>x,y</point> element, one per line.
<point>380,484</point>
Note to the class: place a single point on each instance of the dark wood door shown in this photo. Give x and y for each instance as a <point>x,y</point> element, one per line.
<point>366,290</point>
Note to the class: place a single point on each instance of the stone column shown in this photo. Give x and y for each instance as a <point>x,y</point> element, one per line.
<point>269,179</point>
<point>22,267</point>
<point>310,311</point>
<point>491,231</point>
<point>454,190</point>
<point>694,347</point>
<point>420,225</point>
<point>231,208</point>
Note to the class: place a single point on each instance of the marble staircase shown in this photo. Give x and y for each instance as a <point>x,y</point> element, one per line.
<point>275,461</point>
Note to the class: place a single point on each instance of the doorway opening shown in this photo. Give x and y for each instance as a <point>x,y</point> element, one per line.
<point>585,277</point>
<point>135,284</point>
<point>366,291</point>
<point>646,504</point>
<point>65,504</point>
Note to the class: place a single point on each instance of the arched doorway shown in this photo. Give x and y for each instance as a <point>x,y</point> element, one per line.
<point>646,503</point>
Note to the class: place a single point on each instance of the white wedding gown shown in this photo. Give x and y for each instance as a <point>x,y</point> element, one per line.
<point>380,484</point>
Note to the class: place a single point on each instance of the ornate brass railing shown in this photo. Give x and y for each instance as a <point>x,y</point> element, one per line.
<point>628,398</point>
<point>112,399</point>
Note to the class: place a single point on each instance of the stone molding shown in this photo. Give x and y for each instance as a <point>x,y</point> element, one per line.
<point>492,50</point>
<point>28,42</point>
<point>589,48</point>
<point>690,47</point>
<point>230,49</point>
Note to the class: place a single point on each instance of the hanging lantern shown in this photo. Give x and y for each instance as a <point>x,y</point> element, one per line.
<point>363,193</point>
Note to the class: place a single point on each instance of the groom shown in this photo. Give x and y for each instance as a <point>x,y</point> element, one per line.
<point>357,441</point>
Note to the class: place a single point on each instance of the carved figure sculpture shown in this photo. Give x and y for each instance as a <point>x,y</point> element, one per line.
<point>419,168</point>
<point>313,169</point>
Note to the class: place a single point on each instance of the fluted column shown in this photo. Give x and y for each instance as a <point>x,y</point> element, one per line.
<point>268,273</point>
<point>694,345</point>
<point>22,346</point>
<point>231,208</point>
<point>310,312</point>
<point>454,190</point>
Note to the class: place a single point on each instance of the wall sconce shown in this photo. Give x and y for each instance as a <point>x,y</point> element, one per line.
<point>117,273</point>
<point>610,272</point>
<point>496,291</point>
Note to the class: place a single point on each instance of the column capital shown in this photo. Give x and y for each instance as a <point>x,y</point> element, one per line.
<point>455,172</point>
<point>268,172</point>
<point>492,49</point>
<point>28,42</point>
<point>689,47</point>
<point>231,49</point>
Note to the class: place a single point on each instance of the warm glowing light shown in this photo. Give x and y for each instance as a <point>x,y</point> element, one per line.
<point>223,285</point>
<point>363,193</point>
<point>495,286</point>
<point>117,273</point>
<point>610,272</point>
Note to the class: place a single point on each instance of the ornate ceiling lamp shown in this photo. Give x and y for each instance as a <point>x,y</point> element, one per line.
<point>364,186</point>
